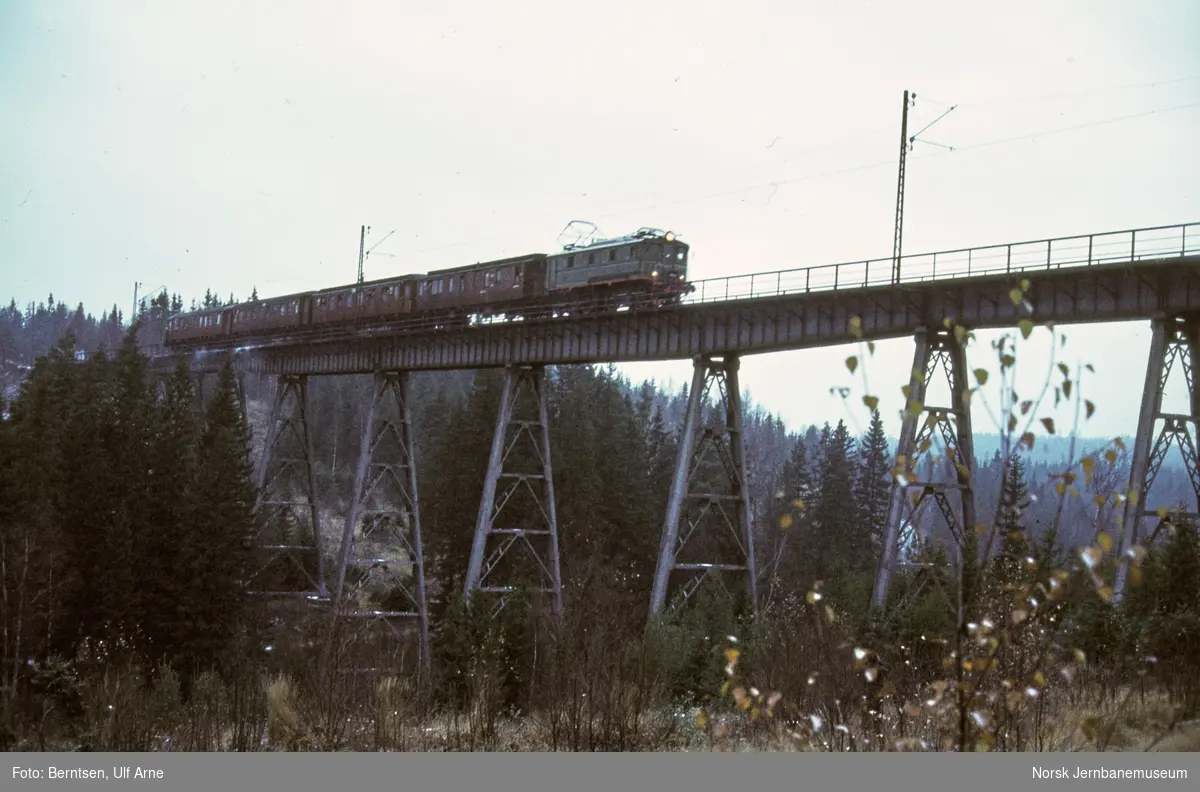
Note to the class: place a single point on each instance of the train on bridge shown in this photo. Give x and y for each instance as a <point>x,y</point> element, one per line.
<point>648,267</point>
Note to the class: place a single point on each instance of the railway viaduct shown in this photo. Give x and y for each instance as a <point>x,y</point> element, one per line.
<point>1150,274</point>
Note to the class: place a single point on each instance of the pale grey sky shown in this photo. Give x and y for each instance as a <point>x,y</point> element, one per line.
<point>241,144</point>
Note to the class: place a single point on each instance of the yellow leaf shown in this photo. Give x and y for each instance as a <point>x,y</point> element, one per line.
<point>856,326</point>
<point>785,522</point>
<point>1090,408</point>
<point>871,347</point>
<point>1106,593</point>
<point>852,363</point>
<point>1088,464</point>
<point>1025,284</point>
<point>1049,424</point>
<point>1062,367</point>
<point>1105,541</point>
<point>1066,389</point>
<point>981,376</point>
<point>1027,440</point>
<point>960,333</point>
<point>1016,296</point>
<point>1026,328</point>
<point>872,402</point>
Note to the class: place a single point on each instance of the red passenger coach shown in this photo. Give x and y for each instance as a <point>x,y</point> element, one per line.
<point>386,299</point>
<point>335,305</point>
<point>483,285</point>
<point>199,326</point>
<point>280,313</point>
<point>381,300</point>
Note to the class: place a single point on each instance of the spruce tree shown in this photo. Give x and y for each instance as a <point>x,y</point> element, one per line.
<point>220,530</point>
<point>1014,500</point>
<point>873,486</point>
<point>1171,630</point>
<point>129,428</point>
<point>173,470</point>
<point>836,539</point>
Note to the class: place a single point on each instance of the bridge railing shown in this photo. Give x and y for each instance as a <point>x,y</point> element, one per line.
<point>1045,254</point>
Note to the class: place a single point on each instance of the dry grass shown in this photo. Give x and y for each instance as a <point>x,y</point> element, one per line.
<point>126,714</point>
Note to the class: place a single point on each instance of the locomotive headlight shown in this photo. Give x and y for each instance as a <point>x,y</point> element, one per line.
<point>670,237</point>
<point>654,274</point>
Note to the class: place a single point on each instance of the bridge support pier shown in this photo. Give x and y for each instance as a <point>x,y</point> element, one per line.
<point>287,494</point>
<point>952,425</point>
<point>523,512</point>
<point>1173,339</point>
<point>703,512</point>
<point>386,546</point>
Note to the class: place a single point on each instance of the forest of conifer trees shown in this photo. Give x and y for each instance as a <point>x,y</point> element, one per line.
<point>125,522</point>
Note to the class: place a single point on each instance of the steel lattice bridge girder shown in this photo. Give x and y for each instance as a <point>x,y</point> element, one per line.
<point>1110,292</point>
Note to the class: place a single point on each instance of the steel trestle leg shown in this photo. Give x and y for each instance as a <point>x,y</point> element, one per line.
<point>1173,340</point>
<point>911,490</point>
<point>381,541</point>
<point>287,499</point>
<point>521,513</point>
<point>704,513</point>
